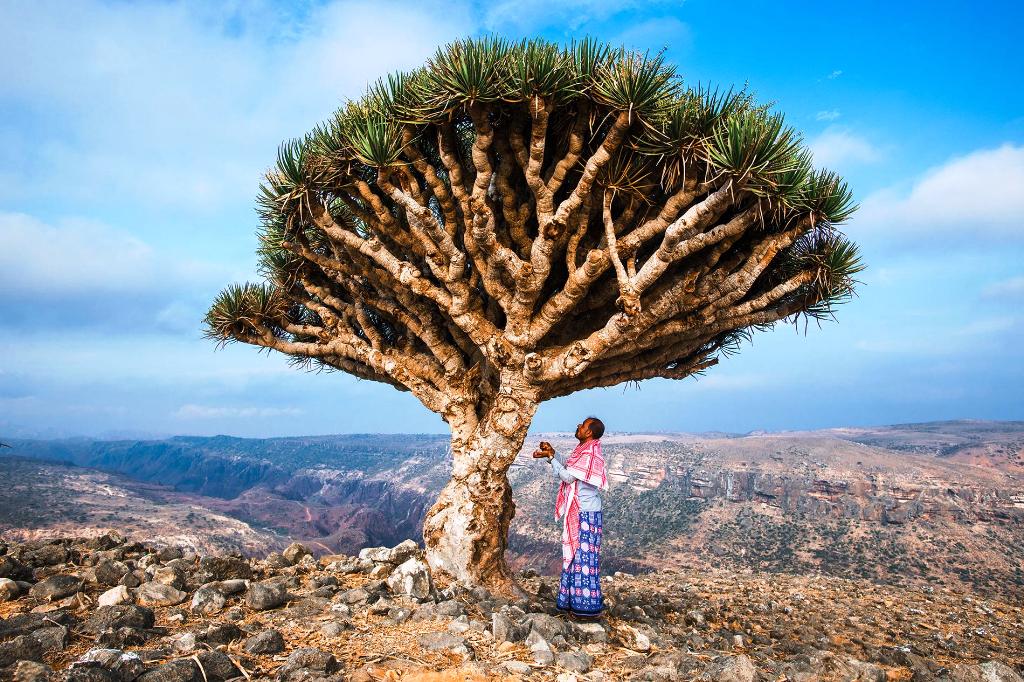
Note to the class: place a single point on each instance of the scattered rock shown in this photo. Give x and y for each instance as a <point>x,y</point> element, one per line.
<point>411,578</point>
<point>21,648</point>
<point>121,615</point>
<point>181,670</point>
<point>265,595</point>
<point>8,589</point>
<point>574,661</point>
<point>125,666</point>
<point>302,662</point>
<point>158,594</point>
<point>56,587</point>
<point>114,596</point>
<point>989,671</point>
<point>294,553</point>
<point>52,639</point>
<point>730,669</point>
<point>266,642</point>
<point>208,599</point>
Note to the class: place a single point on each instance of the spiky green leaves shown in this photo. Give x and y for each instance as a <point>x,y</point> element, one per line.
<point>833,261</point>
<point>242,311</point>
<point>637,83</point>
<point>755,149</point>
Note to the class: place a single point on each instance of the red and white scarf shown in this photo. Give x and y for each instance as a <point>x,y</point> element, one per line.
<point>587,461</point>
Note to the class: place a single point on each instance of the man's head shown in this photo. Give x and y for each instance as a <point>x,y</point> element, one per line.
<point>590,428</point>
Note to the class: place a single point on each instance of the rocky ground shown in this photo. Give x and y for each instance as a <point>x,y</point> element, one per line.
<point>104,609</point>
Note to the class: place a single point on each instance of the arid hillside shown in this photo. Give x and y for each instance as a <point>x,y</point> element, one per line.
<point>919,504</point>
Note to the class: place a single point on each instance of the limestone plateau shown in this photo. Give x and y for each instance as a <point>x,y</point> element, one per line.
<point>916,504</point>
<point>106,609</point>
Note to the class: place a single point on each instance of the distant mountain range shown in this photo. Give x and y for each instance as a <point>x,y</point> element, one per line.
<point>909,503</point>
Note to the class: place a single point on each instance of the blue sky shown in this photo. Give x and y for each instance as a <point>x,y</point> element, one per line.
<point>133,137</point>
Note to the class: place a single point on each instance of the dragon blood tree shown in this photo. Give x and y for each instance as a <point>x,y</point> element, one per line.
<point>514,222</point>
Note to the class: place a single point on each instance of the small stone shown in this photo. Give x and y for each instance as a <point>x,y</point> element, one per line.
<point>265,595</point>
<point>591,632</point>
<point>181,670</point>
<point>226,567</point>
<point>121,615</point>
<point>52,639</point>
<point>21,648</point>
<point>436,641</point>
<point>266,642</point>
<point>517,667</point>
<point>56,587</point>
<point>412,578</point>
<point>399,614</point>
<point>233,586</point>
<point>125,665</point>
<point>730,669</point>
<point>114,596</point>
<point>8,589</point>
<point>169,575</point>
<point>334,628</point>
<point>303,660</point>
<point>574,661</point>
<point>354,596</point>
<point>208,600</point>
<point>109,572</point>
<point>221,633</point>
<point>32,671</point>
<point>130,580</point>
<point>186,643</point>
<point>158,594</point>
<point>294,552</point>
<point>217,666</point>
<point>634,639</point>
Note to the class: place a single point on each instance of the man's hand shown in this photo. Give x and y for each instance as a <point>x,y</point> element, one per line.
<point>545,451</point>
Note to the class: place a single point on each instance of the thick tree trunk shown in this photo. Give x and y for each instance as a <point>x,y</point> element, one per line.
<point>466,531</point>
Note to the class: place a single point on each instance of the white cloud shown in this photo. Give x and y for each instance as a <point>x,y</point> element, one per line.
<point>1012,288</point>
<point>827,115</point>
<point>838,147</point>
<point>214,412</point>
<point>977,197</point>
<point>175,105</point>
<point>835,74</point>
<point>81,257</point>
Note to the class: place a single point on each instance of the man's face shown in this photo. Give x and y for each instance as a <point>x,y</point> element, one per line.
<point>583,430</point>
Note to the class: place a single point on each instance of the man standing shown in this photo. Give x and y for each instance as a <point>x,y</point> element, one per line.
<point>582,478</point>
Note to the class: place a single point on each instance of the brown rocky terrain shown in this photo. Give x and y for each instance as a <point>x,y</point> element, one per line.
<point>915,505</point>
<point>105,609</point>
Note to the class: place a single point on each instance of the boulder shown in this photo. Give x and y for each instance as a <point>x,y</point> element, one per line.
<point>158,594</point>
<point>412,578</point>
<point>56,587</point>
